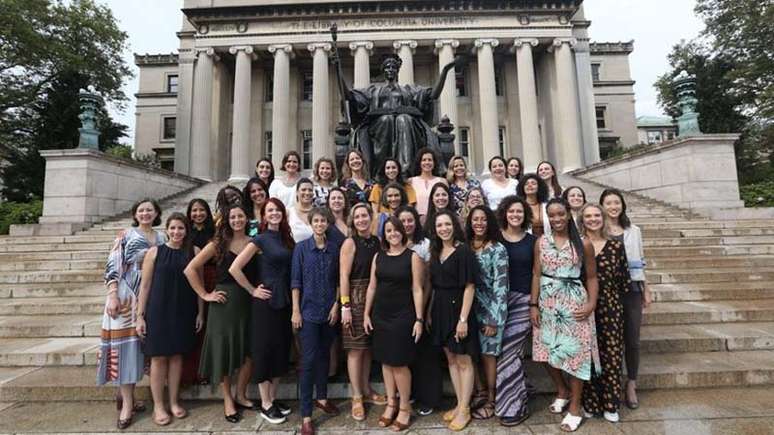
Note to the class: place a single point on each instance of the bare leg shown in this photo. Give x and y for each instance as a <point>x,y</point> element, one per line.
<point>365,384</point>
<point>562,390</point>
<point>173,384</point>
<point>402,377</point>
<point>229,407</point>
<point>454,374</point>
<point>465,372</point>
<point>243,378</point>
<point>391,389</point>
<point>354,368</point>
<point>264,389</point>
<point>273,388</point>
<point>158,377</point>
<point>127,396</point>
<point>576,390</point>
<point>489,363</point>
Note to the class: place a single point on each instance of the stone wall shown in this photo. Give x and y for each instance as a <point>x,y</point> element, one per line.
<point>85,186</point>
<point>697,173</point>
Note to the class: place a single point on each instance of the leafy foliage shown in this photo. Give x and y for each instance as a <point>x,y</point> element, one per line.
<point>12,213</point>
<point>758,194</point>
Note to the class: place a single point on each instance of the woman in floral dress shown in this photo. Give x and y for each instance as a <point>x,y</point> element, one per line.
<point>562,303</point>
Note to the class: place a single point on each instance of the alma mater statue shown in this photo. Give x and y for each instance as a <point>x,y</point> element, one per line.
<point>392,120</point>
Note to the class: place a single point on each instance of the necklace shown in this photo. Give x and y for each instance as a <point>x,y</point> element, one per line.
<point>478,245</point>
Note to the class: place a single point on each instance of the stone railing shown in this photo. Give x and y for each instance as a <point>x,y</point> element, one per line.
<point>86,186</point>
<point>696,173</point>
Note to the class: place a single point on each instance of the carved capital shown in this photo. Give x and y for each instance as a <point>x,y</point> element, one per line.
<point>324,46</point>
<point>247,49</point>
<point>572,42</point>
<point>440,43</point>
<point>407,42</point>
<point>519,42</point>
<point>368,45</point>
<point>281,48</point>
<point>207,52</point>
<point>478,43</point>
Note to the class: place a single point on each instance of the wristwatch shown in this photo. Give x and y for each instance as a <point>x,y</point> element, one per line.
<point>463,320</point>
<point>420,320</point>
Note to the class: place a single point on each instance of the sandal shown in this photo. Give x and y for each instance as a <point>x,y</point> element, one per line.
<point>375,399</point>
<point>479,399</point>
<point>397,426</point>
<point>163,421</point>
<point>464,424</point>
<point>485,412</point>
<point>557,407</point>
<point>570,423</point>
<point>449,415</point>
<point>358,411</point>
<point>387,421</point>
<point>123,424</point>
<point>180,415</point>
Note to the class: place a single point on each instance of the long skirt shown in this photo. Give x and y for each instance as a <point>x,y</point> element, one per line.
<point>511,388</point>
<point>603,392</point>
<point>120,358</point>
<point>227,337</point>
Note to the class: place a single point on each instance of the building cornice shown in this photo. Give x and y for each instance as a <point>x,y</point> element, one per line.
<point>606,83</point>
<point>141,95</point>
<point>156,59</point>
<point>611,47</point>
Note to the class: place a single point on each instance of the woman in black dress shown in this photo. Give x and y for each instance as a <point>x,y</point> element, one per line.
<point>168,315</point>
<point>226,349</point>
<point>452,278</point>
<point>271,307</point>
<point>393,316</point>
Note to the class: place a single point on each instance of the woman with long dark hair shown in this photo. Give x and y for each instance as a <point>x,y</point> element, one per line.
<point>576,197</point>
<point>355,178</point>
<point>562,303</point>
<point>393,197</point>
<point>426,176</point>
<point>535,193</point>
<point>390,172</point>
<point>255,193</point>
<point>202,222</point>
<point>226,348</point>
<point>264,170</point>
<point>271,330</point>
<point>453,323</point>
<point>490,306</point>
<point>284,187</point>
<point>638,298</point>
<point>227,197</point>
<point>168,315</point>
<point>324,176</point>
<point>515,168</point>
<point>514,217</point>
<point>440,198</point>
<point>547,173</point>
<point>339,207</point>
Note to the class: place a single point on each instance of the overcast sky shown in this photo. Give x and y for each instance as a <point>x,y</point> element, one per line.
<point>654,25</point>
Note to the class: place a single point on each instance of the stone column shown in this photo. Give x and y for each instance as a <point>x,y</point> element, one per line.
<point>448,101</point>
<point>361,51</point>
<point>568,124</point>
<point>280,112</point>
<point>405,51</point>
<point>321,115</point>
<point>240,142</point>
<point>487,97</point>
<point>202,115</point>
<point>528,105</point>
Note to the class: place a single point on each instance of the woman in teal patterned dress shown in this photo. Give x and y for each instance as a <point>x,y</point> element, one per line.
<point>562,303</point>
<point>491,306</point>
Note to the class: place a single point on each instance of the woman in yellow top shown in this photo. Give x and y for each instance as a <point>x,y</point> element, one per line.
<point>390,172</point>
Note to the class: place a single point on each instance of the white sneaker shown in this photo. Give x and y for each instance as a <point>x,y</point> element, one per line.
<point>612,417</point>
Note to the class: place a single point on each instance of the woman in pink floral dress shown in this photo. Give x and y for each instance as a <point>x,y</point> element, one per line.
<point>564,295</point>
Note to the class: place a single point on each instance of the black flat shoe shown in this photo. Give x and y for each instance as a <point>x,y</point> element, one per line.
<point>233,418</point>
<point>123,424</point>
<point>513,421</point>
<point>254,407</point>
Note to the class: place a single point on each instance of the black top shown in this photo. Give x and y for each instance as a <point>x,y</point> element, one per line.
<point>365,249</point>
<point>455,272</point>
<point>336,236</point>
<point>393,289</point>
<point>275,264</point>
<point>520,261</point>
<point>201,238</point>
<point>250,270</point>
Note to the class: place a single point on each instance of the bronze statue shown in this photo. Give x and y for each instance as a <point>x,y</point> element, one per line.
<point>392,120</point>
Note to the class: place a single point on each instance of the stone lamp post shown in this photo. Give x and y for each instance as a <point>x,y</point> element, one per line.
<point>685,88</point>
<point>90,103</point>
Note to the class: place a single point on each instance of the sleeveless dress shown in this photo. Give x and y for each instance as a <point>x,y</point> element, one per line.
<point>190,373</point>
<point>563,342</point>
<point>227,339</point>
<point>448,279</point>
<point>491,305</point>
<point>170,314</point>
<point>393,313</point>
<point>365,249</point>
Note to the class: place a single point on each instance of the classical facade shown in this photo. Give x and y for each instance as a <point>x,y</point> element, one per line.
<point>253,78</point>
<point>656,129</point>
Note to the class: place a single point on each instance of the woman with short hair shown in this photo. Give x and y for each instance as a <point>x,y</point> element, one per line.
<point>499,185</point>
<point>284,187</point>
<point>426,176</point>
<point>324,176</point>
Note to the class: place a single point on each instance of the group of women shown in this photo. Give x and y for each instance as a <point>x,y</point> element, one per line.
<point>402,272</point>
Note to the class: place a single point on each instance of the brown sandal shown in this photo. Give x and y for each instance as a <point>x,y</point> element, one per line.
<point>387,421</point>
<point>397,426</point>
<point>358,410</point>
<point>485,412</point>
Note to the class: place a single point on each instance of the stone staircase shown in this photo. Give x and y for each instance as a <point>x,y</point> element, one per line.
<point>712,323</point>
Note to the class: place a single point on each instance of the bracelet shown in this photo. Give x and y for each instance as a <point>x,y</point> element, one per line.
<point>420,320</point>
<point>345,300</point>
<point>344,308</point>
<point>463,320</point>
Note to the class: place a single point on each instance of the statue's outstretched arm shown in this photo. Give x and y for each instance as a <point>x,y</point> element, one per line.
<point>346,92</point>
<point>459,62</point>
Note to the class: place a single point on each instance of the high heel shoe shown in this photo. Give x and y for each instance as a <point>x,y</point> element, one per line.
<point>233,418</point>
<point>448,416</point>
<point>387,421</point>
<point>397,426</point>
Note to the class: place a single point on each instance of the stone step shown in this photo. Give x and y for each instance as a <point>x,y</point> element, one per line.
<point>48,290</point>
<point>708,241</point>
<point>707,275</point>
<point>657,371</point>
<point>712,337</point>
<point>705,224</point>
<point>62,325</point>
<point>31,352</point>
<point>66,276</point>
<point>58,247</point>
<point>46,256</point>
<point>751,290</point>
<point>702,251</point>
<point>52,265</point>
<point>46,306</point>
<point>709,261</point>
<point>74,239</point>
<point>686,313</point>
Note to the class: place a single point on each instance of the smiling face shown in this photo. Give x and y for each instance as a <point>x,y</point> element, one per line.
<point>257,194</point>
<point>545,171</point>
<point>391,170</point>
<point>592,218</point>
<point>613,207</point>
<point>475,197</point>
<point>458,168</point>
<point>407,219</point>
<point>558,217</point>
<point>515,215</point>
<point>145,214</point>
<point>272,214</point>
<point>444,227</point>
<point>176,231</point>
<point>305,194</point>
<point>237,219</point>
<point>427,163</point>
<point>336,201</point>
<point>479,223</point>
<point>361,220</point>
<point>392,197</point>
<point>575,198</point>
<point>513,168</point>
<point>392,235</point>
<point>319,224</point>
<point>497,167</point>
<point>440,198</point>
<point>325,171</point>
<point>531,186</point>
<point>292,164</point>
<point>263,170</point>
<point>355,162</point>
<point>198,214</point>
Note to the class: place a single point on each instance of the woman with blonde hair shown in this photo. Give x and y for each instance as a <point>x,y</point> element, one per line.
<point>355,179</point>
<point>324,177</point>
<point>461,181</point>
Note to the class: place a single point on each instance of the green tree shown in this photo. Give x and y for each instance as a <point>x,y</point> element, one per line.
<point>49,50</point>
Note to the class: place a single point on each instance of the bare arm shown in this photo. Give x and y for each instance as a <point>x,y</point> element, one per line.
<point>199,301</point>
<point>346,257</point>
<point>148,264</point>
<point>534,298</point>
<point>370,298</point>
<point>295,318</point>
<point>193,272</point>
<point>591,284</point>
<point>417,282</point>
<point>239,263</point>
